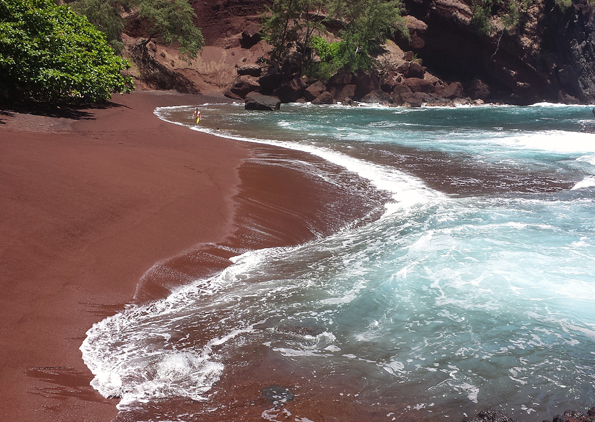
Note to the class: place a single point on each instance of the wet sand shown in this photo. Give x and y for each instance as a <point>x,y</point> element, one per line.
<point>99,207</point>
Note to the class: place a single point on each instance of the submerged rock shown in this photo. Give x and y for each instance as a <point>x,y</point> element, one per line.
<point>324,98</point>
<point>490,415</point>
<point>575,416</point>
<point>277,395</point>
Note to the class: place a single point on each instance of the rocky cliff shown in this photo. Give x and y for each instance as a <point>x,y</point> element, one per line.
<point>548,56</point>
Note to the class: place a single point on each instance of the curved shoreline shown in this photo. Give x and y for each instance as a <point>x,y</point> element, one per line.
<point>90,203</point>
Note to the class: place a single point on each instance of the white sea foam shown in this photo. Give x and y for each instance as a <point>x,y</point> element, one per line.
<point>407,190</point>
<point>552,141</point>
<point>587,182</point>
<point>442,293</point>
<point>587,159</point>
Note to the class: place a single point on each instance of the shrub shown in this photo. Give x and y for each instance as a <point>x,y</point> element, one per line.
<point>48,53</point>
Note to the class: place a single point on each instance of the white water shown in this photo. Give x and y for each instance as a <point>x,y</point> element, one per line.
<point>475,293</point>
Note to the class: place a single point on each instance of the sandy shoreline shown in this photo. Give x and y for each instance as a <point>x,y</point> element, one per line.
<point>89,204</point>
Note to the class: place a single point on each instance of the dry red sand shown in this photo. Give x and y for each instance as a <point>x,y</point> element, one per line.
<point>93,205</point>
<point>86,207</point>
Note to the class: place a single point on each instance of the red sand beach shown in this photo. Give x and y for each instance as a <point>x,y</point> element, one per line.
<point>87,206</point>
<point>93,200</point>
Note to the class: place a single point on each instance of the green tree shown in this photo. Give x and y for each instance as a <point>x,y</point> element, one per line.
<point>48,53</point>
<point>367,24</point>
<point>167,21</point>
<point>291,22</point>
<point>106,16</point>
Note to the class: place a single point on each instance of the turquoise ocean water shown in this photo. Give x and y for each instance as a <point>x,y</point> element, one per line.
<point>476,287</point>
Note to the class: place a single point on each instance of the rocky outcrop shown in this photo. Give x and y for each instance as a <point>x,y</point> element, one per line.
<point>492,415</point>
<point>242,86</point>
<point>314,91</point>
<point>290,91</point>
<point>576,416</point>
<point>548,57</point>
<point>256,101</point>
<point>324,98</point>
<point>156,75</point>
<point>569,44</point>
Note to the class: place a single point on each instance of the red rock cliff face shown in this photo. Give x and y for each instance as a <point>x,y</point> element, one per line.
<point>549,57</point>
<point>220,19</point>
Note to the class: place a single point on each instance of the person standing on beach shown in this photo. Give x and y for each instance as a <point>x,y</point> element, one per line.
<point>196,115</point>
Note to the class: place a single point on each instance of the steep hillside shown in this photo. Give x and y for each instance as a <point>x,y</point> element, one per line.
<point>549,56</point>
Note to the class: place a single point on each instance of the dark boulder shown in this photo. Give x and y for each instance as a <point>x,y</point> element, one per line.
<point>256,101</point>
<point>290,91</point>
<point>314,90</point>
<point>346,92</point>
<point>478,90</point>
<point>243,85</point>
<point>453,90</point>
<point>271,80</point>
<point>388,83</point>
<point>404,69</point>
<point>250,70</point>
<point>419,85</point>
<point>377,96</point>
<point>341,78</point>
<point>416,70</point>
<point>365,82</point>
<point>403,96</point>
<point>416,99</point>
<point>490,415</point>
<point>251,35</point>
<point>400,91</point>
<point>324,98</point>
<point>575,416</point>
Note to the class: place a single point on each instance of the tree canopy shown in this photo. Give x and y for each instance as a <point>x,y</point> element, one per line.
<point>166,20</point>
<point>50,54</point>
<point>364,25</point>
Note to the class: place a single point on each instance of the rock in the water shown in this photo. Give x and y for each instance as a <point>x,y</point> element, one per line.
<point>419,85</point>
<point>314,91</point>
<point>324,98</point>
<point>377,97</point>
<point>290,91</point>
<point>348,91</point>
<point>277,395</point>
<point>256,101</point>
<point>453,90</point>
<point>490,415</point>
<point>575,416</point>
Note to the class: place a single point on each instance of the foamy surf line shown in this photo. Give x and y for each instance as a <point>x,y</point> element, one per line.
<point>116,349</point>
<point>130,355</point>
<point>406,190</point>
<point>439,250</point>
